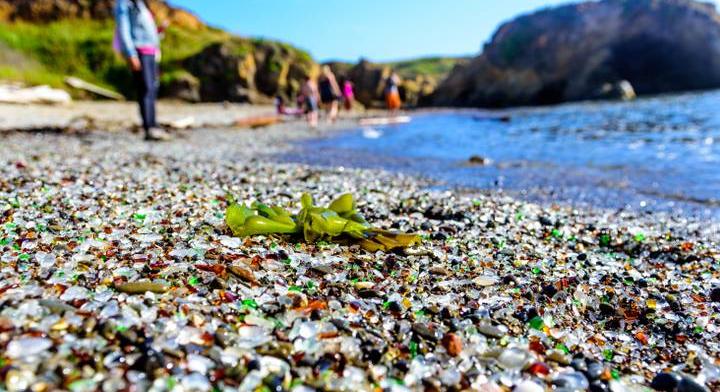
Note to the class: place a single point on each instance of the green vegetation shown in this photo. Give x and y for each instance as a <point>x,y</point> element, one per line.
<point>46,53</point>
<point>436,67</point>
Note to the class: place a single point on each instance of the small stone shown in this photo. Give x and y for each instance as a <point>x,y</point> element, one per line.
<point>491,330</point>
<point>486,281</point>
<point>599,386</point>
<point>477,160</point>
<point>439,271</point>
<point>665,382</point>
<point>142,288</point>
<point>573,381</point>
<point>539,369</point>
<point>453,344</point>
<point>594,370</point>
<point>579,365</point>
<point>19,380</point>
<point>244,273</point>
<point>27,347</point>
<point>528,386</point>
<point>688,384</point>
<point>559,357</point>
<point>515,358</point>
<point>424,331</point>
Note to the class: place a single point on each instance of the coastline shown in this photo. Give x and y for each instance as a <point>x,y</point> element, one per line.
<point>498,286</point>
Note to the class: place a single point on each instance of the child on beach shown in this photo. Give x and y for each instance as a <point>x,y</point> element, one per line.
<point>348,95</point>
<point>392,93</point>
<point>138,40</point>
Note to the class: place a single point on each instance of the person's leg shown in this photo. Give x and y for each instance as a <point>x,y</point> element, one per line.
<point>333,110</point>
<point>141,88</point>
<point>149,74</point>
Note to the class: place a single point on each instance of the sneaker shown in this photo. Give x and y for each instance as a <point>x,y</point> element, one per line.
<point>157,135</point>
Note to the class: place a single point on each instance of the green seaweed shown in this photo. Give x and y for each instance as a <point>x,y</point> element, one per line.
<point>340,221</point>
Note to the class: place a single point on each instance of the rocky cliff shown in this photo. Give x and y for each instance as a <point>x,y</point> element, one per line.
<point>581,51</point>
<point>54,10</point>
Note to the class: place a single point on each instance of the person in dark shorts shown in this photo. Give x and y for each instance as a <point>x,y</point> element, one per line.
<point>310,96</point>
<point>330,93</point>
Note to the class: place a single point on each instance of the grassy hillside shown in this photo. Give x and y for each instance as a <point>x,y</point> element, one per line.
<point>46,53</point>
<point>436,67</point>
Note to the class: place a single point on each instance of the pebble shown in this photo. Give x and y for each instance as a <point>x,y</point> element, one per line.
<point>528,386</point>
<point>453,344</point>
<point>491,330</point>
<point>572,381</point>
<point>142,288</point>
<point>688,384</point>
<point>515,358</point>
<point>715,294</point>
<point>665,382</point>
<point>27,347</point>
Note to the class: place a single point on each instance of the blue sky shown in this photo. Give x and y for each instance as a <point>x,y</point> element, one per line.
<point>380,30</point>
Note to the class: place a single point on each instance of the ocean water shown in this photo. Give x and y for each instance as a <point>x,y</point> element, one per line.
<point>659,154</point>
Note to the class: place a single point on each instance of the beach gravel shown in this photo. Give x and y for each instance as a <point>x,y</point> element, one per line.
<point>117,272</point>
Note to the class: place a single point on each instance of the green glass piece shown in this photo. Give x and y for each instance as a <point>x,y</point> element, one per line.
<point>413,346</point>
<point>605,240</point>
<point>562,348</point>
<point>608,354</point>
<point>250,303</point>
<point>537,323</point>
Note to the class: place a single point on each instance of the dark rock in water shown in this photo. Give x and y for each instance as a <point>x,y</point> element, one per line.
<point>665,382</point>
<point>622,90</point>
<point>479,161</point>
<point>603,49</point>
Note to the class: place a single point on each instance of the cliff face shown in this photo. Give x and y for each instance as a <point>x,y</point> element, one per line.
<point>573,52</point>
<point>54,10</point>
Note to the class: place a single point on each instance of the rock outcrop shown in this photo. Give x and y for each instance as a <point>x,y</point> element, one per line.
<point>586,51</point>
<point>242,70</point>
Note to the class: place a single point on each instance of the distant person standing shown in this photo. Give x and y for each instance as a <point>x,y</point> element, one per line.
<point>138,39</point>
<point>392,93</point>
<point>329,93</point>
<point>348,95</point>
<point>310,97</point>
